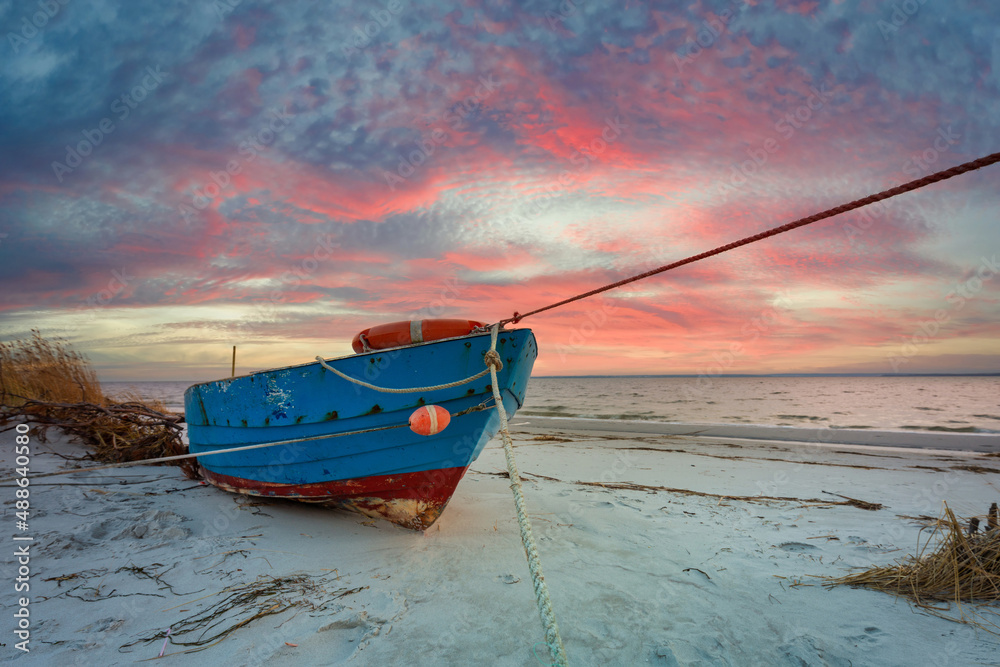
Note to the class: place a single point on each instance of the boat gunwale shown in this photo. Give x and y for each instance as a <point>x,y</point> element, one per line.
<point>349,356</point>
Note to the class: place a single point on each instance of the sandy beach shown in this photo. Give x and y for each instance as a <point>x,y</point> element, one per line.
<point>640,570</point>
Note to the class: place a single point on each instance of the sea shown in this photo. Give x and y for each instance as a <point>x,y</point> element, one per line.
<point>959,404</point>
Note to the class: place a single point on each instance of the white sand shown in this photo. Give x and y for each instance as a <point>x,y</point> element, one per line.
<point>636,577</point>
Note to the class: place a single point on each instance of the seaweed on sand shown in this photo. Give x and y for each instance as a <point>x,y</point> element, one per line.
<point>243,604</point>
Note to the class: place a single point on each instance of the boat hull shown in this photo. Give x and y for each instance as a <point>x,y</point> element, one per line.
<point>351,445</point>
<point>412,500</point>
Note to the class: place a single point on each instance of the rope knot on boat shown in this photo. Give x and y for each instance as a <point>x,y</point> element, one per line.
<point>492,359</point>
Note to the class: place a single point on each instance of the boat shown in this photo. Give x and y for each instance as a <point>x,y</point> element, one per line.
<point>327,436</point>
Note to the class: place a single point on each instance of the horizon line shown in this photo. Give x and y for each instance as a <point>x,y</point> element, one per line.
<point>697,375</point>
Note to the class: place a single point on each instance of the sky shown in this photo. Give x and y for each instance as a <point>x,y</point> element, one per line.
<point>179,178</point>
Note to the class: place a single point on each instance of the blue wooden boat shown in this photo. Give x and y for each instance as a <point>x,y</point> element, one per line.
<point>349,446</point>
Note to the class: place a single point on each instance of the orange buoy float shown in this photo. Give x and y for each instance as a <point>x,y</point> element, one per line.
<point>397,334</point>
<point>429,420</point>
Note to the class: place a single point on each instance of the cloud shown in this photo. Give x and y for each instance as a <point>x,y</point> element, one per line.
<point>308,169</point>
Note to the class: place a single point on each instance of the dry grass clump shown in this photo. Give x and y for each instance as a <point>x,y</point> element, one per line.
<point>963,567</point>
<point>47,383</point>
<point>44,370</point>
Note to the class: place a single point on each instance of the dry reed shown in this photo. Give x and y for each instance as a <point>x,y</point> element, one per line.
<point>952,566</point>
<point>45,370</point>
<point>46,383</point>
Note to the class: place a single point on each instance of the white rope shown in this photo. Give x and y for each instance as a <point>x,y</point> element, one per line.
<point>180,457</point>
<point>412,390</point>
<point>552,638</point>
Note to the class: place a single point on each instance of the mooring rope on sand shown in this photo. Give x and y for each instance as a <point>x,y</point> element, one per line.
<point>552,638</point>
<point>492,359</point>
<point>181,457</point>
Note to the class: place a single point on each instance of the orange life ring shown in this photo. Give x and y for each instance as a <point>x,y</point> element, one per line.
<point>396,334</point>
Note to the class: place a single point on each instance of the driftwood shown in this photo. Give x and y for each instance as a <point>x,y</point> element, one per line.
<point>116,432</point>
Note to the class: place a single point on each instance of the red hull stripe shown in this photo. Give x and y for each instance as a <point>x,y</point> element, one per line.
<point>413,499</point>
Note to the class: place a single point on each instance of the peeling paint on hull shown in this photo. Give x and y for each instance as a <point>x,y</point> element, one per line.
<point>413,500</point>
